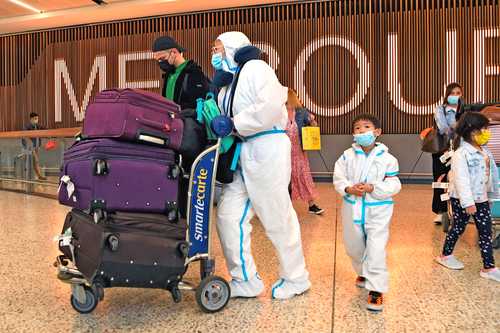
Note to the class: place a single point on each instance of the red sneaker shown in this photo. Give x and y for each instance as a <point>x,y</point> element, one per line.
<point>360,282</point>
<point>375,301</point>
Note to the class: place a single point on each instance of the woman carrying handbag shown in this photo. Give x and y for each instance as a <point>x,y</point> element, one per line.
<point>445,117</point>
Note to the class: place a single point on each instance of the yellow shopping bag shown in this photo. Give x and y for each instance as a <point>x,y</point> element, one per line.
<point>311,138</point>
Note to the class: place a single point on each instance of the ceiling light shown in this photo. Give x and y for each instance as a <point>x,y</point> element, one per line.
<point>25,5</point>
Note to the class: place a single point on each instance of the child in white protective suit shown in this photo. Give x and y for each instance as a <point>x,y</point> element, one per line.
<point>255,102</point>
<point>366,177</point>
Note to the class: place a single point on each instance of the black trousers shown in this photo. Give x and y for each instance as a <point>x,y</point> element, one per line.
<point>439,169</point>
<point>483,224</point>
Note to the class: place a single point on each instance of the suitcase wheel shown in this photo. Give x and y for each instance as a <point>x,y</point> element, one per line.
<point>173,216</point>
<point>88,305</point>
<point>174,172</point>
<point>184,249</point>
<point>113,242</point>
<point>213,294</point>
<point>99,215</point>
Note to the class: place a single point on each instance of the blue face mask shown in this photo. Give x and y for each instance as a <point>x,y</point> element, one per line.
<point>453,100</point>
<point>365,139</point>
<point>217,61</point>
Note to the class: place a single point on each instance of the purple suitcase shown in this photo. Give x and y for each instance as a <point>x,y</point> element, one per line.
<point>106,175</point>
<point>134,115</point>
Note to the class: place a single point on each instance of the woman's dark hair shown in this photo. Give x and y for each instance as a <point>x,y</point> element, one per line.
<point>468,123</point>
<point>33,115</point>
<point>449,90</point>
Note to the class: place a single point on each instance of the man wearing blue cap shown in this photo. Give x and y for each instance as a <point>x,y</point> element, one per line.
<point>183,80</point>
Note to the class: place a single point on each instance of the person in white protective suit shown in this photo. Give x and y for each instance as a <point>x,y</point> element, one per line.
<point>260,184</point>
<point>366,177</point>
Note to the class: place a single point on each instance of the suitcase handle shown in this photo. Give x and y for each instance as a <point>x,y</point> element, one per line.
<point>154,124</point>
<point>156,138</point>
<point>159,101</point>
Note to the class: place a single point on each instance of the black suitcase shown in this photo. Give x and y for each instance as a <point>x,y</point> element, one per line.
<point>127,250</point>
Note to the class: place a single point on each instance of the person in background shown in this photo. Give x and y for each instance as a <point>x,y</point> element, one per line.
<point>183,83</point>
<point>302,185</point>
<point>474,181</point>
<point>366,176</point>
<point>445,117</point>
<point>183,80</point>
<point>33,125</point>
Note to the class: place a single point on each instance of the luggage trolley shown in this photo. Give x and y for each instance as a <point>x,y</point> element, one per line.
<point>212,293</point>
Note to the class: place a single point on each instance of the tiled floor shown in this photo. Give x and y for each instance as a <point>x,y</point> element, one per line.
<point>423,296</point>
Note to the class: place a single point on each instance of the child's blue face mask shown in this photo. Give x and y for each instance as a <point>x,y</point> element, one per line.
<point>365,139</point>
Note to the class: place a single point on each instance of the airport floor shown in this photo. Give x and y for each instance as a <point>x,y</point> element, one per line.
<point>423,297</point>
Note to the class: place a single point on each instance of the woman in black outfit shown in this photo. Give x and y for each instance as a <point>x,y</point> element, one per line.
<point>445,116</point>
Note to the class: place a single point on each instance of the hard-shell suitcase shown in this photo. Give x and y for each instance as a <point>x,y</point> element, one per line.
<point>134,115</point>
<point>127,250</point>
<point>107,175</point>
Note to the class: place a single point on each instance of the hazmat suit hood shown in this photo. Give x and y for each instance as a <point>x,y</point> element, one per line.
<point>232,41</point>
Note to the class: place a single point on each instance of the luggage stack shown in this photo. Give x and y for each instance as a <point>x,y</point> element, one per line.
<point>128,158</point>
<point>122,178</point>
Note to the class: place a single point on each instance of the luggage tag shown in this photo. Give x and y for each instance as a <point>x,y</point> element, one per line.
<point>445,197</point>
<point>440,185</point>
<point>446,156</point>
<point>70,186</point>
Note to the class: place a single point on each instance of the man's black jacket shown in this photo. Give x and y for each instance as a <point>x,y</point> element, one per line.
<point>191,85</point>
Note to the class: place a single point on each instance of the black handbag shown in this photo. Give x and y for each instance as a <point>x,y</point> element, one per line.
<point>224,173</point>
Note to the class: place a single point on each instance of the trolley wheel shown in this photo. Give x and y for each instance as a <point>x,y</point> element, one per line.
<point>90,304</point>
<point>213,294</point>
<point>176,295</point>
<point>446,222</point>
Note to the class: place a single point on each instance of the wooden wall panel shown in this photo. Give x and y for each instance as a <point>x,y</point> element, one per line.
<point>387,57</point>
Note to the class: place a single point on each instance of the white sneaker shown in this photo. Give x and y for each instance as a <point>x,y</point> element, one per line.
<point>493,274</point>
<point>450,262</point>
<point>248,289</point>
<point>438,219</point>
<point>285,289</point>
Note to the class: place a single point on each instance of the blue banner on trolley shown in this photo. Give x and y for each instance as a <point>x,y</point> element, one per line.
<point>201,193</point>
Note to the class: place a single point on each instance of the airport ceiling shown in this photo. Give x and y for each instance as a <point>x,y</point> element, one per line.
<point>28,15</point>
<point>15,8</point>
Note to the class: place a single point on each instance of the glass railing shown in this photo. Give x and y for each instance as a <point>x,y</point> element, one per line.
<point>30,160</point>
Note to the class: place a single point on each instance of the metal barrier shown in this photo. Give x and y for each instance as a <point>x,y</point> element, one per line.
<point>28,164</point>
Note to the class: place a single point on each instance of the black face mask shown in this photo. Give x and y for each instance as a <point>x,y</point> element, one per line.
<point>165,66</point>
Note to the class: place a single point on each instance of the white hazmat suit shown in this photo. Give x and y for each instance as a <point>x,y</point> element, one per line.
<point>260,184</point>
<point>366,219</point>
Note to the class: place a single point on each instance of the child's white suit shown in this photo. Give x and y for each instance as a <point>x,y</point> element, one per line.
<point>366,219</point>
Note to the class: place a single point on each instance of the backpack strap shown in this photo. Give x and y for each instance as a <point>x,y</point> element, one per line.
<point>233,89</point>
